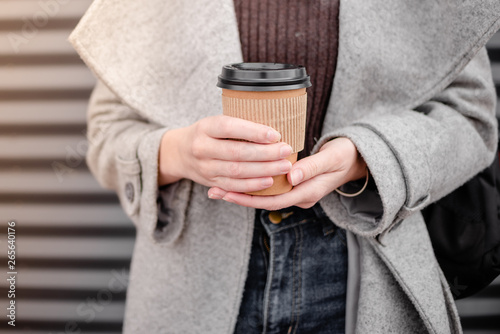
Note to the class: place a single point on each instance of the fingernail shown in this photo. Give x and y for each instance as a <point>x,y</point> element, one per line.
<point>216,193</point>
<point>285,166</point>
<point>227,199</point>
<point>297,177</point>
<point>273,136</point>
<point>214,196</point>
<point>285,151</point>
<point>266,182</point>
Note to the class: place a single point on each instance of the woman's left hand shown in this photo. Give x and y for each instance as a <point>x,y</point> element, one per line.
<point>336,163</point>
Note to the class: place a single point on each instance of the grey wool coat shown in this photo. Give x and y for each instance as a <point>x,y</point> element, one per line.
<point>412,90</point>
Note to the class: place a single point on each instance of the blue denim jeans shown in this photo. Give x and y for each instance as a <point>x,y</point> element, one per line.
<point>297,275</point>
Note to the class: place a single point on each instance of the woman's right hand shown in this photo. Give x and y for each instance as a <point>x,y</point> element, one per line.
<point>210,152</point>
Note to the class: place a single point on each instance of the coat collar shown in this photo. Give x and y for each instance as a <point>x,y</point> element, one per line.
<point>162,56</point>
<point>387,61</point>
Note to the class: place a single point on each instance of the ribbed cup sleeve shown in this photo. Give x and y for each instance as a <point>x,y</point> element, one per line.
<point>286,115</point>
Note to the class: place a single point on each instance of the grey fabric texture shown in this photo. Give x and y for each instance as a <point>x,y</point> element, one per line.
<point>353,283</point>
<point>406,93</point>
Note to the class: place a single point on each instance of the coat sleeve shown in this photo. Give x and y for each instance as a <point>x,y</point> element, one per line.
<point>123,154</point>
<point>417,156</point>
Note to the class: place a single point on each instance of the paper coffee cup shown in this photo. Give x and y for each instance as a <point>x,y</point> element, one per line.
<point>271,94</point>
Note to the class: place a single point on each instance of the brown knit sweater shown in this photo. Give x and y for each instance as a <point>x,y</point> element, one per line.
<point>302,32</point>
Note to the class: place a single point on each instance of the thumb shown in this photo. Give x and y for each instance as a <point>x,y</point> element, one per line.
<point>308,168</point>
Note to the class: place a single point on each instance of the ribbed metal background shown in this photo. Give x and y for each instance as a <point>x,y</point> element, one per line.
<point>74,243</point>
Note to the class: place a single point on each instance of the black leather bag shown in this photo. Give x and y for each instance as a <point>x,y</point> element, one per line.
<point>465,232</point>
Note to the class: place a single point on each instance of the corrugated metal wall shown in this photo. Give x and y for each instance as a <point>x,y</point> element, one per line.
<point>73,242</point>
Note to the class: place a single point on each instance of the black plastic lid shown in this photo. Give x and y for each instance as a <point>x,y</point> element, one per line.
<point>263,77</point>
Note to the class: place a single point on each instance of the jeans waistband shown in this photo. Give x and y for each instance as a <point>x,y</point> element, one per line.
<point>275,221</point>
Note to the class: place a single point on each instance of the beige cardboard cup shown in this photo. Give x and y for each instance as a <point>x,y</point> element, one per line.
<point>284,111</point>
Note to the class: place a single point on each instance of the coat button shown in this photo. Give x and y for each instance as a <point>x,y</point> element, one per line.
<point>275,217</point>
<point>129,192</point>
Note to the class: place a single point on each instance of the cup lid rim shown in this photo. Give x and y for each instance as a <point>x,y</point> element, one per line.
<point>263,77</point>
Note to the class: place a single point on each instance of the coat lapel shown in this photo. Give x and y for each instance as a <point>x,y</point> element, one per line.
<point>384,59</point>
<point>387,62</point>
<point>161,56</point>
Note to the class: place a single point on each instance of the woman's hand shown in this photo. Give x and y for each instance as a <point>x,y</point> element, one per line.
<point>210,152</point>
<point>336,163</point>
